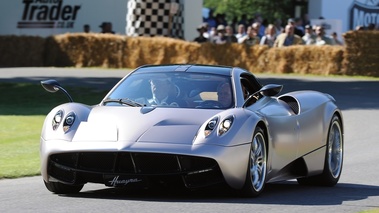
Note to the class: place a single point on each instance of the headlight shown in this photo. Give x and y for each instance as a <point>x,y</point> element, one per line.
<point>69,121</point>
<point>57,119</point>
<point>210,126</point>
<point>225,125</point>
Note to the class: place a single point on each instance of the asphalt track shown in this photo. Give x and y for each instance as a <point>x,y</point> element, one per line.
<point>357,190</point>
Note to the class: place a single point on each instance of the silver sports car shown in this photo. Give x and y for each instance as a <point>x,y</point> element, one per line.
<point>193,126</point>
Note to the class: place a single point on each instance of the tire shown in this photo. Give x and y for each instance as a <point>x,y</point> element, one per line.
<point>333,157</point>
<point>257,166</point>
<point>60,188</point>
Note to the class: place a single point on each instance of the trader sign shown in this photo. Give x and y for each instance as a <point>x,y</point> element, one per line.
<point>48,14</point>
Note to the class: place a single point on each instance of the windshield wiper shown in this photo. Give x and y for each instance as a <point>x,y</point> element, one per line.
<point>126,101</point>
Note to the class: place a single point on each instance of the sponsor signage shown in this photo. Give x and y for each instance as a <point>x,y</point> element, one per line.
<point>351,13</point>
<point>364,13</point>
<point>51,17</point>
<point>48,14</point>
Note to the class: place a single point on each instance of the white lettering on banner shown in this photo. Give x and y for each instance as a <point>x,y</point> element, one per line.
<point>364,19</point>
<point>363,14</point>
<point>48,14</point>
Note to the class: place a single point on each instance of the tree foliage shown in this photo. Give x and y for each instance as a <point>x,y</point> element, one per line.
<point>268,9</point>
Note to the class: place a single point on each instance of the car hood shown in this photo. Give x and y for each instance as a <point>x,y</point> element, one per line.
<point>135,124</point>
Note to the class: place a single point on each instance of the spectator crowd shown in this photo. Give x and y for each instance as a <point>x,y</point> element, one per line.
<point>297,31</point>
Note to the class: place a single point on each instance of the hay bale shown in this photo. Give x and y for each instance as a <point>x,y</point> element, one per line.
<point>21,51</point>
<point>301,59</point>
<point>362,53</point>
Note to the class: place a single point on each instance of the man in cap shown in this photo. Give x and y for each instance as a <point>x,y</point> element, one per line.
<point>222,35</point>
<point>201,29</point>
<point>106,27</point>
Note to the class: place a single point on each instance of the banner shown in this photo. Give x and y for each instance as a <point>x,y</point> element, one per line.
<point>364,13</point>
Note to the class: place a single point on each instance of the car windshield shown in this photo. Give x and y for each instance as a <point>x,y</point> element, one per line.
<point>168,89</point>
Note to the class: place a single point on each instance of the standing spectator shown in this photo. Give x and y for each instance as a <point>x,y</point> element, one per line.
<point>288,38</point>
<point>201,39</point>
<point>309,35</point>
<point>257,26</point>
<point>359,28</point>
<point>230,35</point>
<point>336,40</point>
<point>262,27</point>
<point>220,19</point>
<point>251,37</point>
<point>306,20</point>
<point>234,24</point>
<point>278,25</point>
<point>212,34</point>
<point>206,33</point>
<point>321,38</point>
<point>244,21</point>
<point>86,28</point>
<point>371,26</point>
<point>241,32</point>
<point>211,20</point>
<point>270,36</point>
<point>222,37</point>
<point>297,29</point>
<point>106,27</point>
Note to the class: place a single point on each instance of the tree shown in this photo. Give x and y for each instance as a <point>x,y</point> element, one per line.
<point>268,9</point>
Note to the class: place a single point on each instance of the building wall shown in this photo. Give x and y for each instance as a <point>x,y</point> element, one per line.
<point>192,18</point>
<point>350,12</point>
<point>19,17</point>
<point>50,17</point>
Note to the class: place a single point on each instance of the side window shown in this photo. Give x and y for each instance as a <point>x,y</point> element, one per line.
<point>246,91</point>
<point>249,85</point>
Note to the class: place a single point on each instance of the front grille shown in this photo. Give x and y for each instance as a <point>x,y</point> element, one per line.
<point>82,167</point>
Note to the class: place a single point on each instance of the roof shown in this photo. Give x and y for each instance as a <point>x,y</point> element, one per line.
<point>196,68</point>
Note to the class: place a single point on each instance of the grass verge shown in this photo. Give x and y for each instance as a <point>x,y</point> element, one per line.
<point>22,112</point>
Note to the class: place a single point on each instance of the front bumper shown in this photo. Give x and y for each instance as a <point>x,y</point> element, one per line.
<point>101,162</point>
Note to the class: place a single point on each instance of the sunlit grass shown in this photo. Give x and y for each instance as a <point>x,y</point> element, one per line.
<point>23,108</point>
<point>19,145</point>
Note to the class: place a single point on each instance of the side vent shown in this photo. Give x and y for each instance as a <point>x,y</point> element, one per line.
<point>292,103</point>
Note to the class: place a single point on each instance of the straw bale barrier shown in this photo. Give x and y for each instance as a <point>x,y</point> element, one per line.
<point>358,57</point>
<point>21,51</point>
<point>301,59</point>
<point>361,56</point>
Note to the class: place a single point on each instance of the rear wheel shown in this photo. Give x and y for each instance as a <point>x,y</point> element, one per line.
<point>60,188</point>
<point>257,167</point>
<point>333,157</point>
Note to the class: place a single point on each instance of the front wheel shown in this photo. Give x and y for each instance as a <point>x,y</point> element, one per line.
<point>60,188</point>
<point>257,167</point>
<point>333,157</point>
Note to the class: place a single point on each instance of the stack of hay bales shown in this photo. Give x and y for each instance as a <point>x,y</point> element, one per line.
<point>21,51</point>
<point>85,50</point>
<point>362,53</point>
<point>320,60</point>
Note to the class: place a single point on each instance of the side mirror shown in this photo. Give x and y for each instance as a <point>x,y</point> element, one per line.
<point>52,86</point>
<point>271,89</point>
<point>267,90</point>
